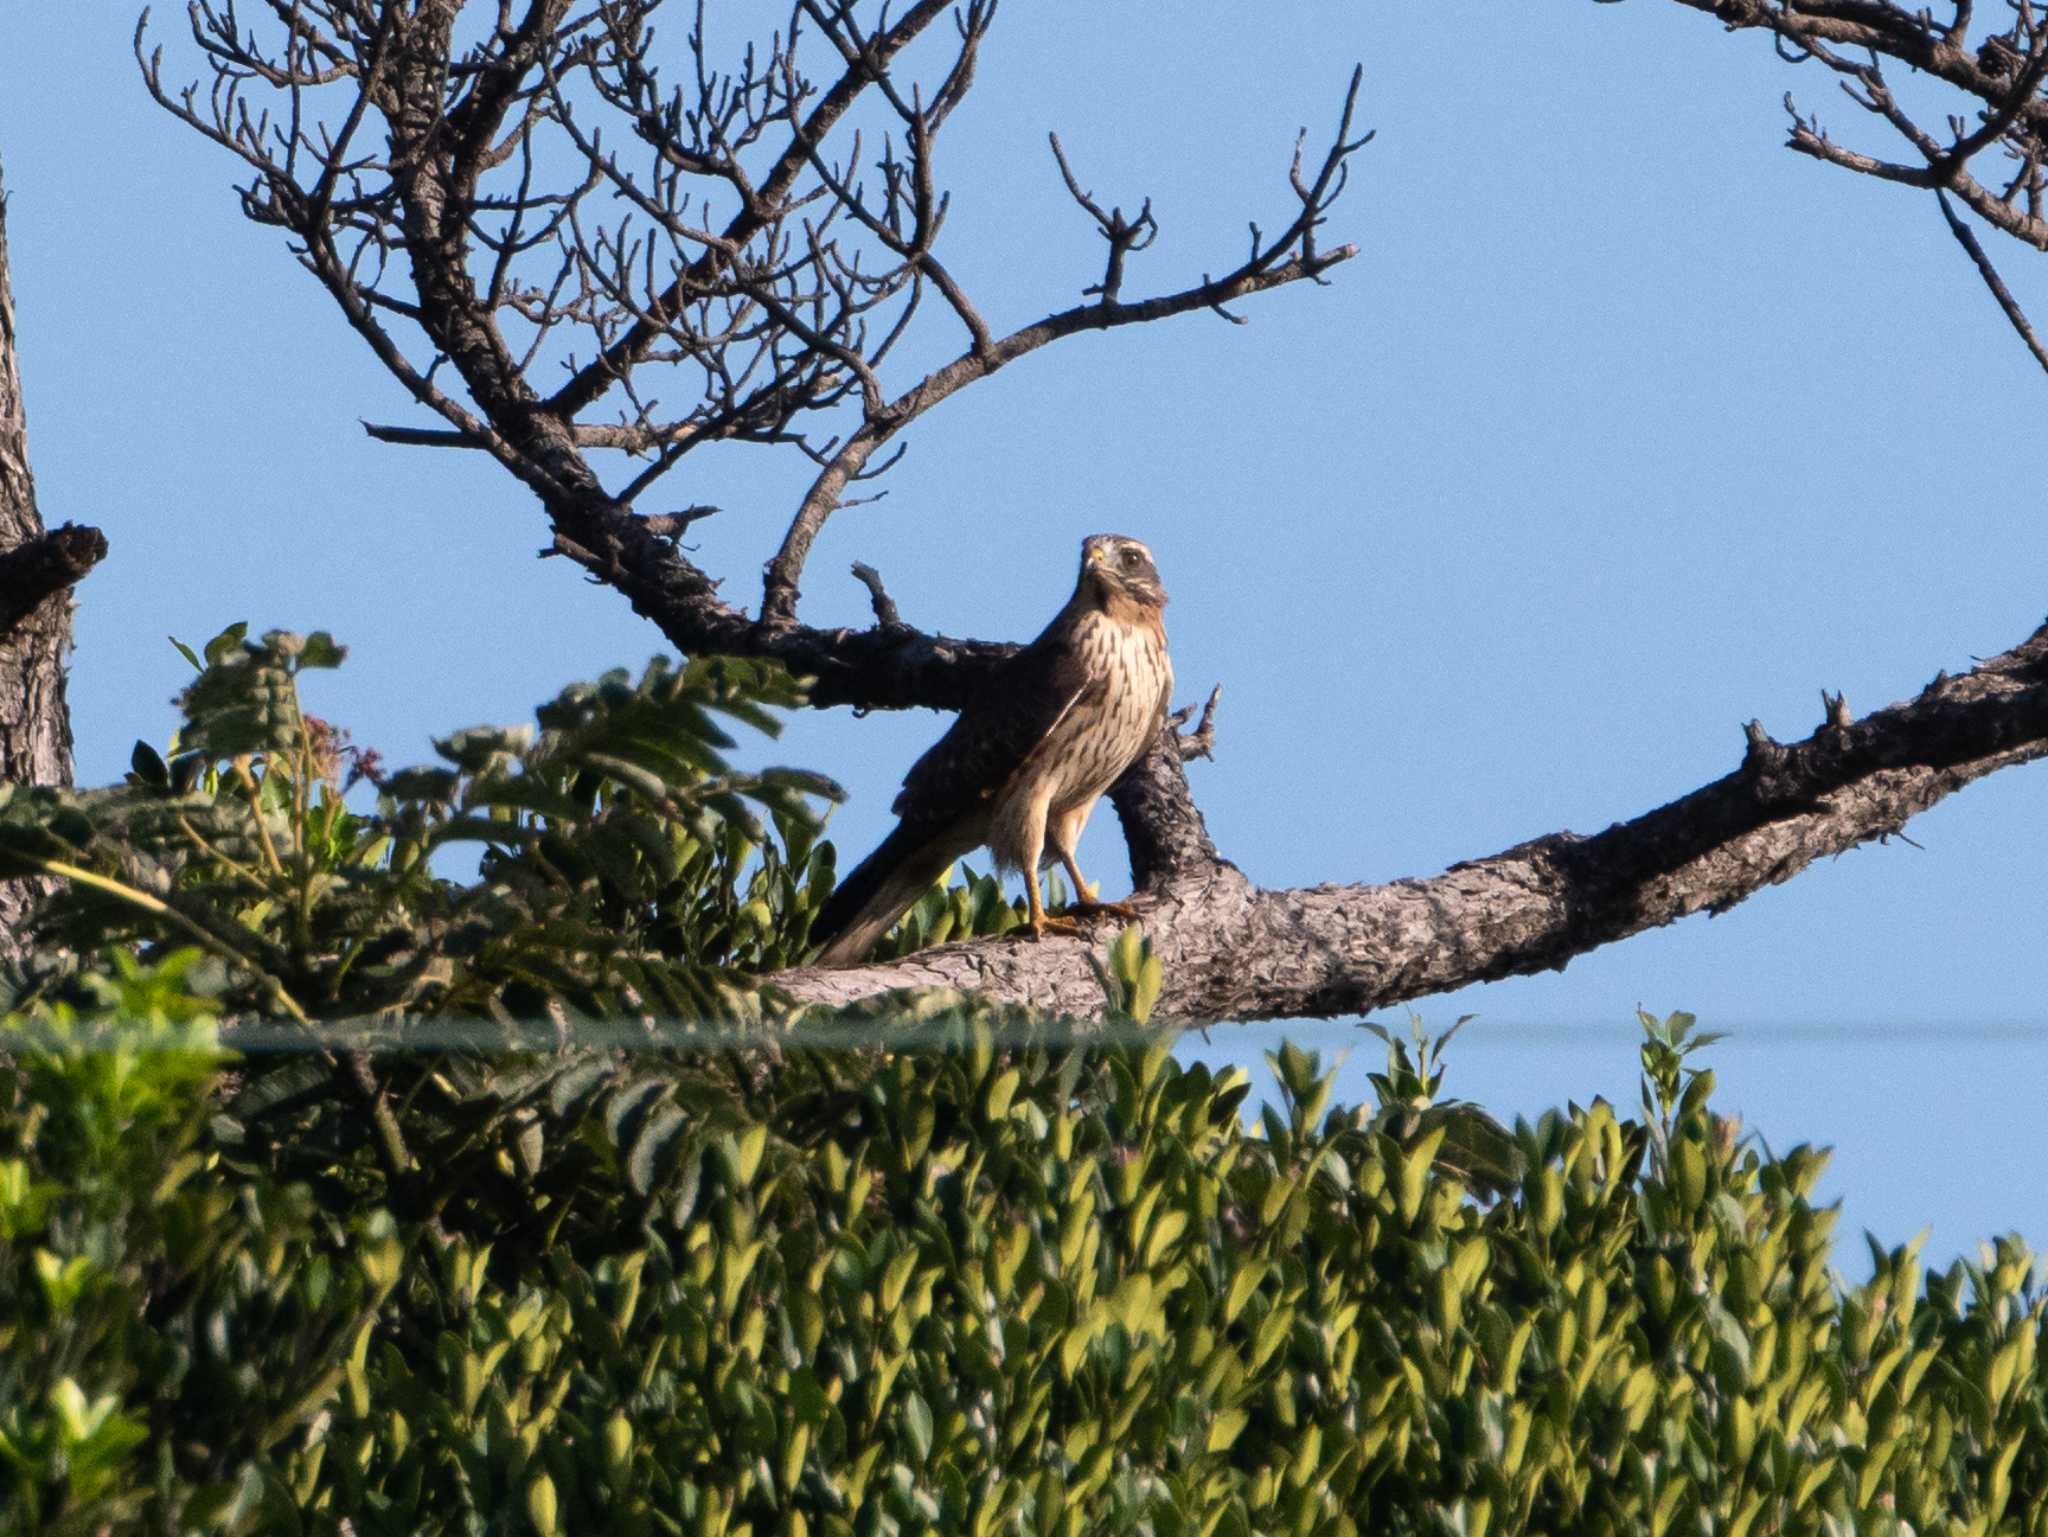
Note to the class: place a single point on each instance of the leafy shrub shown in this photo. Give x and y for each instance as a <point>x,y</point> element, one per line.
<point>624,871</point>
<point>1048,1288</point>
<point>458,1238</point>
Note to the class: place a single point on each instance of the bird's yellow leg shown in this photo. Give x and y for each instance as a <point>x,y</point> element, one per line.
<point>1084,894</point>
<point>1040,921</point>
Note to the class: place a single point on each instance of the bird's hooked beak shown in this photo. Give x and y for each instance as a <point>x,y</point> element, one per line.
<point>1099,573</point>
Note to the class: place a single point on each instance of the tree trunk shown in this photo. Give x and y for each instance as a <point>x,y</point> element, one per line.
<point>37,568</point>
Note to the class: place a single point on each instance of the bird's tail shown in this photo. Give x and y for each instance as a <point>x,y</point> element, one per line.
<point>878,891</point>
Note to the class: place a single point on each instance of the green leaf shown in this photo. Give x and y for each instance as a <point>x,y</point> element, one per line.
<point>1414,1174</point>
<point>654,1148</point>
<point>1246,1281</point>
<point>541,1504</point>
<point>67,1398</point>
<point>321,650</point>
<point>917,1426</point>
<point>149,767</point>
<point>747,1150</point>
<point>1225,1428</point>
<point>222,645</point>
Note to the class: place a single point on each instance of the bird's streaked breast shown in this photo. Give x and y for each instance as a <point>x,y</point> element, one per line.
<point>1098,743</point>
<point>1110,723</point>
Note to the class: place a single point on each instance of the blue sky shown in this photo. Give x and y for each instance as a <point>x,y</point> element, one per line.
<point>1626,425</point>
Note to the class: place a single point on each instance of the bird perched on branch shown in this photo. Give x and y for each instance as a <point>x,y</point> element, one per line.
<point>1023,766</point>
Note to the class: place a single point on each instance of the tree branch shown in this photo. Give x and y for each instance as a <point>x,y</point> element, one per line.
<point>1201,742</point>
<point>779,600</point>
<point>1235,952</point>
<point>886,612</point>
<point>777,303</point>
<point>35,634</point>
<point>2000,76</point>
<point>1287,258</point>
<point>32,572</point>
<point>590,383</point>
<point>2017,317</point>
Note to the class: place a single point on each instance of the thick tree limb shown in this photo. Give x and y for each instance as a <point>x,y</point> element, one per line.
<point>1235,952</point>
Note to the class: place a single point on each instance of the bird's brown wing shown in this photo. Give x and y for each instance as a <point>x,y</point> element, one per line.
<point>949,792</point>
<point>997,732</point>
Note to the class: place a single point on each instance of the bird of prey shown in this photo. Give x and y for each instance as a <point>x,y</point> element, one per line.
<point>1023,766</point>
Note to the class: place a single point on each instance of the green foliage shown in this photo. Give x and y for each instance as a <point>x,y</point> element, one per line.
<point>974,909</point>
<point>1473,1145</point>
<point>1034,1289</point>
<point>1132,979</point>
<point>483,1251</point>
<point>625,865</point>
<point>141,1293</point>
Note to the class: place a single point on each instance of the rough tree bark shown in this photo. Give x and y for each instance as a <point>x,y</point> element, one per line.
<point>37,569</point>
<point>759,248</point>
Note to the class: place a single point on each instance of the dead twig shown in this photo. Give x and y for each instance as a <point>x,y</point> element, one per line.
<point>1967,238</point>
<point>1201,742</point>
<point>878,596</point>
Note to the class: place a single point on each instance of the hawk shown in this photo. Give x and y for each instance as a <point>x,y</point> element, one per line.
<point>1023,766</point>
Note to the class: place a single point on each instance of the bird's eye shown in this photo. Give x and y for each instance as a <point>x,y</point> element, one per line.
<point>1130,559</point>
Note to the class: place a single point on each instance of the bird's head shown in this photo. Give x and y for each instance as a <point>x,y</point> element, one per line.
<point>1114,566</point>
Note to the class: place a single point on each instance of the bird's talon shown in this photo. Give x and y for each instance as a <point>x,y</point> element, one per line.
<point>1052,923</point>
<point>1122,910</point>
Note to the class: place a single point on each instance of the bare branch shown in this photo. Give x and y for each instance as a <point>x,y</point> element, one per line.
<point>1201,742</point>
<point>719,224</point>
<point>759,207</point>
<point>824,498</point>
<point>1125,236</point>
<point>885,606</point>
<point>422,437</point>
<point>741,242</point>
<point>2000,78</point>
<point>671,525</point>
<point>1967,237</point>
